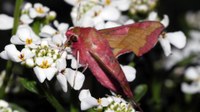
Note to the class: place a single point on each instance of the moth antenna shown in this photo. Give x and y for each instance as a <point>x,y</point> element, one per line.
<point>77,65</point>
<point>135,105</point>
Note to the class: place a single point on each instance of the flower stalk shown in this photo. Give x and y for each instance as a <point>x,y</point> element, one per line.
<point>51,98</point>
<point>9,64</point>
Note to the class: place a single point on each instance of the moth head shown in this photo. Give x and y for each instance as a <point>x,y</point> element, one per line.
<point>72,36</point>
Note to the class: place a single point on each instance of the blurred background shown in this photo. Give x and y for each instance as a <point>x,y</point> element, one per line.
<point>164,92</point>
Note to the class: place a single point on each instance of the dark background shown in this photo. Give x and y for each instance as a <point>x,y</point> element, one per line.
<point>175,9</point>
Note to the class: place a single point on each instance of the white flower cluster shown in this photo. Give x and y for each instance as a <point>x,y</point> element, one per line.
<point>142,6</point>
<point>99,13</point>
<point>105,104</point>
<point>29,13</point>
<point>45,54</point>
<point>5,107</point>
<point>190,49</point>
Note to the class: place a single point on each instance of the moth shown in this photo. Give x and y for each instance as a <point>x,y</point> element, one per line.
<point>99,49</point>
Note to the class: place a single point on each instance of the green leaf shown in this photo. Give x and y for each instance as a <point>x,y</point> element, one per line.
<point>17,107</point>
<point>36,26</point>
<point>29,85</point>
<point>140,91</point>
<point>73,108</point>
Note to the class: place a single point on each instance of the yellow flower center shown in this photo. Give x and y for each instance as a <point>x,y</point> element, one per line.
<point>21,56</point>
<point>29,41</point>
<point>45,64</point>
<point>40,10</point>
<point>108,2</point>
<point>99,101</point>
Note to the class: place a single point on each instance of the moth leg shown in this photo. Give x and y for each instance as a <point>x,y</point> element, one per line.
<point>85,68</point>
<point>77,66</point>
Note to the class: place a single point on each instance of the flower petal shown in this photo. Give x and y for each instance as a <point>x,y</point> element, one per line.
<point>30,62</point>
<point>12,53</point>
<point>27,53</point>
<point>105,102</point>
<point>190,89</point>
<point>25,19</point>
<point>88,103</point>
<point>110,24</point>
<point>4,55</point>
<point>74,63</point>
<point>32,13</point>
<point>61,64</point>
<point>75,79</point>
<point>178,39</point>
<point>6,22</point>
<point>165,45</point>
<point>129,73</point>
<point>110,13</point>
<point>63,27</point>
<point>84,94</point>
<point>16,40</point>
<point>191,73</point>
<point>39,74</point>
<point>47,31</point>
<point>50,72</point>
<point>165,21</point>
<point>118,4</point>
<point>153,16</point>
<point>63,81</point>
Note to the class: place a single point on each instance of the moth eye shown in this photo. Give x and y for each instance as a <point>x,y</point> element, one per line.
<point>74,38</point>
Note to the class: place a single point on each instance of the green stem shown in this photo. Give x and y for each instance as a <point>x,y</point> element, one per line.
<point>16,16</point>
<point>51,99</point>
<point>9,64</point>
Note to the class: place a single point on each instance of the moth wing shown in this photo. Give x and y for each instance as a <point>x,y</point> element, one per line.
<point>110,65</point>
<point>138,37</point>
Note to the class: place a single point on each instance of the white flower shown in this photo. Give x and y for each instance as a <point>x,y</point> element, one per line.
<point>178,39</point>
<point>190,88</point>
<point>47,31</point>
<point>25,36</point>
<point>74,78</point>
<point>129,72</point>
<point>6,22</point>
<point>45,68</point>
<point>26,7</point>
<point>25,19</point>
<point>38,11</point>
<point>11,53</point>
<point>192,74</point>
<point>108,104</point>
<point>87,101</point>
